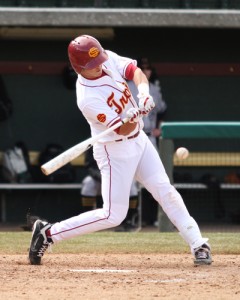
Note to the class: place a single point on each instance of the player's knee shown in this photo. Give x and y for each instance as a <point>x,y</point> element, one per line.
<point>168,196</point>
<point>115,219</point>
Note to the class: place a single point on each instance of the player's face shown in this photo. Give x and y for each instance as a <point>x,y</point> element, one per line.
<point>93,73</point>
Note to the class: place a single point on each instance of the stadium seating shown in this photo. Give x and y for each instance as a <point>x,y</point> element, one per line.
<point>30,3</point>
<point>205,4</point>
<point>164,4</point>
<point>124,3</point>
<point>8,3</point>
<point>233,4</point>
<point>82,3</point>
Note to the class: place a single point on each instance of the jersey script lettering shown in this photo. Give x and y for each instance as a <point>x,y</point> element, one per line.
<point>120,105</point>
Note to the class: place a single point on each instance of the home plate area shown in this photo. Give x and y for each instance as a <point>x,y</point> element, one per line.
<point>119,276</point>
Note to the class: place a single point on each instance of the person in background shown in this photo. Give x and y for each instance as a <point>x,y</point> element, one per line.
<point>152,129</point>
<point>153,120</point>
<point>6,104</point>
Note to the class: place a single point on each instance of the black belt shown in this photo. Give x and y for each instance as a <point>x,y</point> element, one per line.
<point>129,137</point>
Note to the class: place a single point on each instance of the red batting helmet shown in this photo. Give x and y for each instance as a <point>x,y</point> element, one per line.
<point>85,52</point>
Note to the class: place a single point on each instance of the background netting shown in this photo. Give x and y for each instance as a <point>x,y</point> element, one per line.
<point>209,179</point>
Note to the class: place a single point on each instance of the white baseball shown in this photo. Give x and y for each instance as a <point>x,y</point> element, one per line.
<point>182,153</point>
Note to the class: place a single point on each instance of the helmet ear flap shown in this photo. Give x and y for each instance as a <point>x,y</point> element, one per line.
<point>85,52</point>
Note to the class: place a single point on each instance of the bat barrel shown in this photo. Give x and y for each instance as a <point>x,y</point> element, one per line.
<point>64,158</point>
<point>49,168</point>
<point>45,171</point>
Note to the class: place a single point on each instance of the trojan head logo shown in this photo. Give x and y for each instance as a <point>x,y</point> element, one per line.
<point>101,118</point>
<point>93,52</point>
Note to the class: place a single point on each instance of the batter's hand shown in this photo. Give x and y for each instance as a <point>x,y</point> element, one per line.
<point>146,103</point>
<point>133,114</point>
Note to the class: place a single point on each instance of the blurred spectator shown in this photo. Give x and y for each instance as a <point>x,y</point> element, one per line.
<point>152,128</point>
<point>6,107</point>
<point>155,117</point>
<point>69,77</point>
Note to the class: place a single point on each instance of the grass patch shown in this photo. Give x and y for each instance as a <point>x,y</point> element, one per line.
<point>121,242</point>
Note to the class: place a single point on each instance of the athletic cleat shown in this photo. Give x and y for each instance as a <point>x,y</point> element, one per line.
<point>203,255</point>
<point>39,242</point>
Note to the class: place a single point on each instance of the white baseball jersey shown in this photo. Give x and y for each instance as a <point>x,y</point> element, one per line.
<point>112,89</point>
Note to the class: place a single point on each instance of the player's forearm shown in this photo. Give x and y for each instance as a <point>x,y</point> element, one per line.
<point>127,128</point>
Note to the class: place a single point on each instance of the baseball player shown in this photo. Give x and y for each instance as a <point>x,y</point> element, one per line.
<point>104,99</point>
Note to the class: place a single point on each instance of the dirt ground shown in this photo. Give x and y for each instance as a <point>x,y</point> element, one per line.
<point>123,276</point>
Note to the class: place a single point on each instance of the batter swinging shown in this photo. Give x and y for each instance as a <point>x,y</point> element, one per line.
<point>104,99</point>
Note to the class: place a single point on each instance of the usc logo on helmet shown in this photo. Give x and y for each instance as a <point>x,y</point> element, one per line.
<point>93,52</point>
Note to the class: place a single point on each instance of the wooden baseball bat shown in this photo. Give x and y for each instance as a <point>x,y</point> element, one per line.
<point>70,154</point>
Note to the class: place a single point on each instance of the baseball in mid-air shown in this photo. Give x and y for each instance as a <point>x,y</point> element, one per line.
<point>182,153</point>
